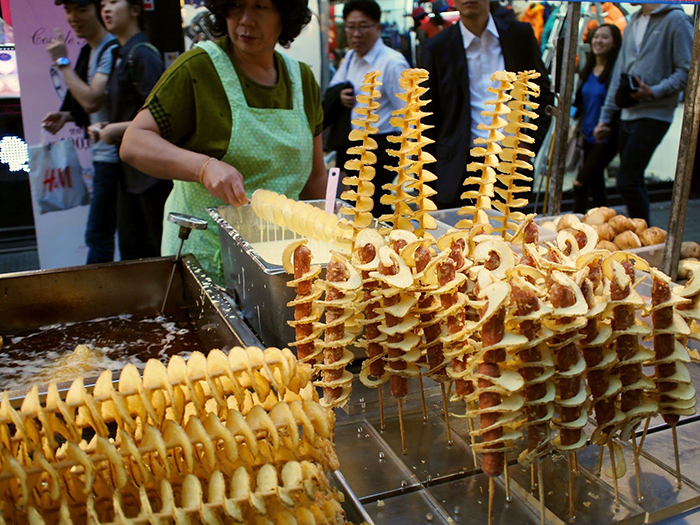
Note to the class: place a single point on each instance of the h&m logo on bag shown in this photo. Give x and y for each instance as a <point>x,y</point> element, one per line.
<point>57,178</point>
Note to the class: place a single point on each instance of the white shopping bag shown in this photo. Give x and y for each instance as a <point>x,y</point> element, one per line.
<point>56,176</point>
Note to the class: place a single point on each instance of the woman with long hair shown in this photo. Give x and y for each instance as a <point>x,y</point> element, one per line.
<point>231,116</point>
<point>138,66</point>
<point>595,79</point>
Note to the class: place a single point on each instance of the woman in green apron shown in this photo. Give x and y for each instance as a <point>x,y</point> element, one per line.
<point>232,116</point>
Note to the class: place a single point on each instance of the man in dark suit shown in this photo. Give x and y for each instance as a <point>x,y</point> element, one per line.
<point>461,60</point>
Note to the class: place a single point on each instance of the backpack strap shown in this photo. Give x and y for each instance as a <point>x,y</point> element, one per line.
<point>130,59</point>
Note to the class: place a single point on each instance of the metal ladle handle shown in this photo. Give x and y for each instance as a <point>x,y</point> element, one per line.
<point>187,223</point>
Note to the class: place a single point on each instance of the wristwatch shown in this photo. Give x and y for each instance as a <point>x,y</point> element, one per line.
<point>62,62</point>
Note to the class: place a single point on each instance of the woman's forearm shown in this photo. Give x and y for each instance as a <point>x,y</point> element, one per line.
<point>147,151</point>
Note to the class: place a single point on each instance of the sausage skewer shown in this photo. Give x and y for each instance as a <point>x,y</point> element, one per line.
<point>566,321</point>
<point>341,281</point>
<point>676,395</point>
<point>296,259</point>
<point>366,260</point>
<point>401,343</point>
<point>496,385</point>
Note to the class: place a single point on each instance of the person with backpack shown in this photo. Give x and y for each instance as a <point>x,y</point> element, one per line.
<point>137,68</point>
<point>84,105</point>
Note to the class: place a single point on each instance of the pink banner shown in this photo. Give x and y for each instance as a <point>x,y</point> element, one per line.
<point>60,234</point>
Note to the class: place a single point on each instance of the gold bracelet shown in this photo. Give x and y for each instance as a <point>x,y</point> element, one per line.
<point>201,170</point>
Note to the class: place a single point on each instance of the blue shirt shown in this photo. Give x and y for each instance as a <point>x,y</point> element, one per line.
<point>102,152</point>
<point>593,93</point>
<point>391,63</point>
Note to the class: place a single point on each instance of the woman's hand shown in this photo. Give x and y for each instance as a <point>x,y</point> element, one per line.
<point>57,47</point>
<point>54,122</point>
<point>225,182</point>
<point>601,132</point>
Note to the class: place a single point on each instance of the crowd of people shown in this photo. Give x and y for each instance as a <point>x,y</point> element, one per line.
<point>233,115</point>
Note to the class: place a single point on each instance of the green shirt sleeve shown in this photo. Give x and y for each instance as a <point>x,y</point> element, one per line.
<point>188,99</point>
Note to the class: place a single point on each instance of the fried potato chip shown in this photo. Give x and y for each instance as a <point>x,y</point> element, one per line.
<point>259,421</point>
<point>283,418</point>
<point>218,432</point>
<point>175,436</point>
<point>198,436</point>
<point>153,441</point>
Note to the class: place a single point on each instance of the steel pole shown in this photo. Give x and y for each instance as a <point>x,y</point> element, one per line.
<point>566,84</point>
<point>686,159</point>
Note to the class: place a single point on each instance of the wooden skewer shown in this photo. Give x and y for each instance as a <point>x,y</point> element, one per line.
<point>571,486</point>
<point>679,481</point>
<point>404,450</point>
<point>576,463</point>
<point>382,424</point>
<point>614,475</point>
<point>506,476</point>
<point>637,472</point>
<point>533,476</point>
<point>540,483</point>
<point>445,412</point>
<point>422,397</point>
<point>644,433</point>
<point>492,491</point>
<point>470,424</point>
<point>601,452</point>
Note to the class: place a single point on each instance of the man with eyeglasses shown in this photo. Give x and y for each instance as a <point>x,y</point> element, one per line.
<point>367,53</point>
<point>461,60</point>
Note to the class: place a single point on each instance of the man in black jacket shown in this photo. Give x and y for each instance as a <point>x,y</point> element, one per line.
<point>461,60</point>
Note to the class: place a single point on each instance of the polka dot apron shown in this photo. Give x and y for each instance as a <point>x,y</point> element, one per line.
<point>272,148</point>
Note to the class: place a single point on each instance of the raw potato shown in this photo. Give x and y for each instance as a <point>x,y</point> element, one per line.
<point>690,249</point>
<point>621,224</point>
<point>683,270</point>
<point>639,225</point>
<point>653,235</point>
<point>605,232</point>
<point>606,245</point>
<point>549,225</point>
<point>594,217</point>
<point>609,213</point>
<point>627,240</point>
<point>567,221</point>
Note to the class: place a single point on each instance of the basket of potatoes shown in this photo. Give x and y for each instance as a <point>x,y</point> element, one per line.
<point>617,232</point>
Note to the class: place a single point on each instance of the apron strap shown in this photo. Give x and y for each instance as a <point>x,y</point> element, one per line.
<point>227,73</point>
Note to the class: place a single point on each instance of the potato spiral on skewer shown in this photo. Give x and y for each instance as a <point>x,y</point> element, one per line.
<point>410,171</point>
<point>511,163</point>
<point>487,167</point>
<point>363,193</point>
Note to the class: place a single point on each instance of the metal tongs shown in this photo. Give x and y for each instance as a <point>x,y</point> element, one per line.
<point>187,223</point>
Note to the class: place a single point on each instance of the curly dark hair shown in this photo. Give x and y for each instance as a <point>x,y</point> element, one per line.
<point>295,15</point>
